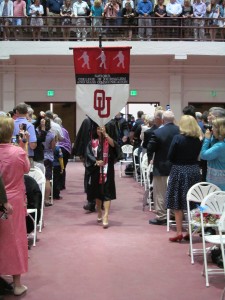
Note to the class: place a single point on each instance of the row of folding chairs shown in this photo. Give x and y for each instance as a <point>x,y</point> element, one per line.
<point>207,196</point>
<point>38,174</point>
<point>210,200</point>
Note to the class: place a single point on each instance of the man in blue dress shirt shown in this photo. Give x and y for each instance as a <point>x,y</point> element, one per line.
<point>144,11</point>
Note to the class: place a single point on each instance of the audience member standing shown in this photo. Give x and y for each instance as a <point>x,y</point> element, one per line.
<point>6,11</point>
<point>53,12</point>
<point>136,130</point>
<point>4,285</point>
<point>173,10</point>
<point>96,13</point>
<point>19,11</point>
<point>144,11</point>
<point>58,168</point>
<point>49,146</point>
<point>55,128</point>
<point>185,170</point>
<point>65,146</point>
<point>80,10</point>
<point>66,12</point>
<point>111,11</point>
<point>187,14</point>
<point>199,11</point>
<point>22,122</point>
<point>157,123</point>
<point>14,164</point>
<point>122,129</point>
<point>36,12</point>
<point>128,14</point>
<point>213,150</point>
<point>213,11</point>
<point>160,144</point>
<point>160,12</point>
<point>41,132</point>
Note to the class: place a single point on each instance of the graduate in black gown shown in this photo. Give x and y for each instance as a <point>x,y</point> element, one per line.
<point>79,149</point>
<point>102,153</point>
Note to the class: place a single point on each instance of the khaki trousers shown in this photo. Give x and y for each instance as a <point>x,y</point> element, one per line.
<point>159,196</point>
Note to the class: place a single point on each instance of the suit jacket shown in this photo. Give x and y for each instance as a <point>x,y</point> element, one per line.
<point>159,144</point>
<point>147,135</point>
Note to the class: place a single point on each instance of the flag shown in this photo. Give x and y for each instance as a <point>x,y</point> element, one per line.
<point>102,81</point>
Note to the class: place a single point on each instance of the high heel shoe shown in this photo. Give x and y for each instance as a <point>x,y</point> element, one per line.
<point>177,238</point>
<point>105,222</point>
<point>19,290</point>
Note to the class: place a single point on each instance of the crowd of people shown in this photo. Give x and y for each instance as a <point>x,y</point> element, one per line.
<point>27,141</point>
<point>182,154</point>
<point>161,18</point>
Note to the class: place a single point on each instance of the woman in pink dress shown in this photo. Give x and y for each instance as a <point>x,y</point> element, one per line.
<point>14,164</point>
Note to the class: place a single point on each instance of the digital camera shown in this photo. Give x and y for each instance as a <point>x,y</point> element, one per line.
<point>208,126</point>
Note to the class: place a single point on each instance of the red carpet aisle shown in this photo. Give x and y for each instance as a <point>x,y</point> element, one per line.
<point>76,259</point>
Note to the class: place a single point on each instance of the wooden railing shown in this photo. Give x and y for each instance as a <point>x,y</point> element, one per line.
<point>162,29</point>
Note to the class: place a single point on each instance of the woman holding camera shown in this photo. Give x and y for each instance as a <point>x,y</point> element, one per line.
<point>213,150</point>
<point>66,12</point>
<point>128,15</point>
<point>36,11</point>
<point>14,164</point>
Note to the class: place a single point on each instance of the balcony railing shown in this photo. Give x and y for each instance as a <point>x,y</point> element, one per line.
<point>89,29</point>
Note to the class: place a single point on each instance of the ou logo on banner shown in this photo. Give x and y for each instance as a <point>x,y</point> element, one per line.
<point>101,102</point>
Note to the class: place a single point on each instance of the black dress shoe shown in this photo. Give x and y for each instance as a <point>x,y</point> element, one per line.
<point>157,222</point>
<point>90,207</point>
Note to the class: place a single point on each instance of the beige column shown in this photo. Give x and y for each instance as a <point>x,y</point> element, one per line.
<point>8,92</point>
<point>176,95</point>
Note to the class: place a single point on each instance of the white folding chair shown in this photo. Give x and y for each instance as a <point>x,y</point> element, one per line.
<point>196,194</point>
<point>140,160</point>
<point>144,167</point>
<point>38,175</point>
<point>30,211</point>
<point>40,167</point>
<point>136,165</point>
<point>213,204</point>
<point>150,186</point>
<point>127,150</point>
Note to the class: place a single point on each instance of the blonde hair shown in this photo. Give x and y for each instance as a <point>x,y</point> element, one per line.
<point>219,123</point>
<point>97,3</point>
<point>148,119</point>
<point>189,126</point>
<point>6,129</point>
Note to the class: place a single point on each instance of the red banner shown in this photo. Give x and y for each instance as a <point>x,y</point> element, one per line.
<point>102,81</point>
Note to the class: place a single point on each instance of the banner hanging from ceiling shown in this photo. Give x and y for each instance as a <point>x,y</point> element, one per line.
<point>102,81</point>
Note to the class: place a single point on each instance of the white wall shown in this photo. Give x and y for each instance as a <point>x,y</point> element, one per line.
<point>174,73</point>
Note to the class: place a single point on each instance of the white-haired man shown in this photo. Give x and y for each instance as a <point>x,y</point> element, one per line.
<point>158,146</point>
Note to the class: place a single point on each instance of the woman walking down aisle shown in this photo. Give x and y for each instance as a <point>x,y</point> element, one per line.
<point>14,163</point>
<point>101,185</point>
<point>185,172</point>
<point>213,150</point>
